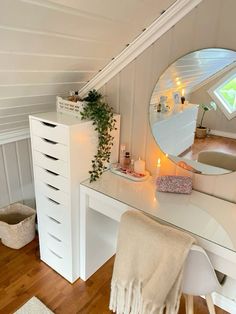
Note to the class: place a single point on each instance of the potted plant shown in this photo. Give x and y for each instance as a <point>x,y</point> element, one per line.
<point>101,114</point>
<point>201,131</point>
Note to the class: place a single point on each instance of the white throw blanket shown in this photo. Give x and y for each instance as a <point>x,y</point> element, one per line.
<point>147,274</point>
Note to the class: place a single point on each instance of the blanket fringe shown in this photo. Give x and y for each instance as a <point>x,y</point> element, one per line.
<point>128,300</point>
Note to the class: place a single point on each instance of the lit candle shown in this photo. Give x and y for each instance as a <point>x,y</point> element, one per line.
<point>158,167</point>
<point>183,92</point>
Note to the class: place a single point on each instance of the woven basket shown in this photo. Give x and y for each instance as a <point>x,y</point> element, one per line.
<point>17,225</point>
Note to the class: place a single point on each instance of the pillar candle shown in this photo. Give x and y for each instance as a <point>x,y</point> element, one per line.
<point>139,166</point>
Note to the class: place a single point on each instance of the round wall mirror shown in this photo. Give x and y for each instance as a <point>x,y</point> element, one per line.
<point>192,111</point>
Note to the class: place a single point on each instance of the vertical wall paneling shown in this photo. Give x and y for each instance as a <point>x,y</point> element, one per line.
<point>183,36</point>
<point>26,179</point>
<point>4,190</point>
<point>210,24</point>
<point>113,96</point>
<point>16,174</point>
<point>141,97</point>
<point>12,172</point>
<point>207,24</point>
<point>127,103</point>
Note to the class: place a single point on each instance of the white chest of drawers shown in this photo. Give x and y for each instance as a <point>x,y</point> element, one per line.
<point>62,149</point>
<point>174,132</point>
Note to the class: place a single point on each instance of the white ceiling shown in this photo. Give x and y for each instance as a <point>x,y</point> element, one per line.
<point>50,47</point>
<point>192,70</point>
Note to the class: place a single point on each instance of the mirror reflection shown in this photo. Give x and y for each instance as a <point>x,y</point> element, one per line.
<point>192,111</point>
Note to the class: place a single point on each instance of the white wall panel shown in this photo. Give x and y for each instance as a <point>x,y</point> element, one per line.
<point>186,36</point>
<point>37,89</point>
<point>42,77</point>
<point>15,173</point>
<point>11,61</point>
<point>23,41</point>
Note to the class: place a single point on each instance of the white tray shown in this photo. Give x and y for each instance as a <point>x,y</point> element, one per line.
<point>129,176</point>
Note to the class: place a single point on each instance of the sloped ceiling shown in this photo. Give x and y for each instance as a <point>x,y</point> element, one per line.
<point>50,47</point>
<point>193,70</point>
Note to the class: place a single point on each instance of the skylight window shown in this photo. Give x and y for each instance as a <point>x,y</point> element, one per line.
<point>224,94</point>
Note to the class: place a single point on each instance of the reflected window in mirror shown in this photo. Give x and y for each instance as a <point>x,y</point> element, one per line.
<point>224,94</point>
<point>175,124</point>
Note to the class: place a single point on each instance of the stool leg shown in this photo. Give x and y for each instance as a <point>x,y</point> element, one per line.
<point>210,304</point>
<point>189,304</point>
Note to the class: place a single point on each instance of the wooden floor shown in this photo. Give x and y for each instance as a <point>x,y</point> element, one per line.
<point>23,275</point>
<point>211,142</point>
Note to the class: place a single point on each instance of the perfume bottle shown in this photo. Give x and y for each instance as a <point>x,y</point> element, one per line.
<point>127,160</point>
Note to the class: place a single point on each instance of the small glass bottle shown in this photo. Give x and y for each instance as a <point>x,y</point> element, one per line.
<point>122,155</point>
<point>127,160</point>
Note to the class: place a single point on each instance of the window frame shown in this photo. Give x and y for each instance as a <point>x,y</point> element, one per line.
<point>214,95</point>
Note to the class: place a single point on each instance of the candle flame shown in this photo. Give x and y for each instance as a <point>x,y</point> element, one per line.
<point>183,92</point>
<point>159,162</point>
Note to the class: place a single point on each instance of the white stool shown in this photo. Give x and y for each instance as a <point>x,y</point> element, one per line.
<point>199,279</point>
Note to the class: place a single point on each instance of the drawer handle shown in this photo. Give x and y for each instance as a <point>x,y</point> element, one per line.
<point>49,124</point>
<point>51,172</point>
<point>50,157</point>
<point>52,187</point>
<point>54,220</point>
<point>55,238</point>
<point>49,141</point>
<point>55,254</point>
<point>55,202</point>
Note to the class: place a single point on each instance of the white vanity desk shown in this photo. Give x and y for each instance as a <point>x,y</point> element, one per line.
<point>212,221</point>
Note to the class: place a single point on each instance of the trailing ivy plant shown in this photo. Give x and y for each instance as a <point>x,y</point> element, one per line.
<point>101,114</point>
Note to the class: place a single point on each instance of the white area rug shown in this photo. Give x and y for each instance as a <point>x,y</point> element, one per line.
<point>34,306</point>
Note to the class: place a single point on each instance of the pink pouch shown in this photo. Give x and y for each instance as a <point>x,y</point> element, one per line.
<point>174,184</point>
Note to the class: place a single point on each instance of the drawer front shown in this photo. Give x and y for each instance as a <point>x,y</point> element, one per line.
<point>52,164</point>
<point>47,224</point>
<point>47,206</point>
<point>52,192</point>
<point>50,148</point>
<point>176,121</point>
<point>53,243</point>
<point>51,131</point>
<point>61,264</point>
<point>178,133</point>
<point>186,143</point>
<point>175,148</point>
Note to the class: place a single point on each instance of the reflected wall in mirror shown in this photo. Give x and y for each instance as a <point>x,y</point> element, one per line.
<point>197,90</point>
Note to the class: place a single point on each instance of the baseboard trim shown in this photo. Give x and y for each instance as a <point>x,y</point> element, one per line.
<point>160,26</point>
<point>14,136</point>
<point>223,134</point>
